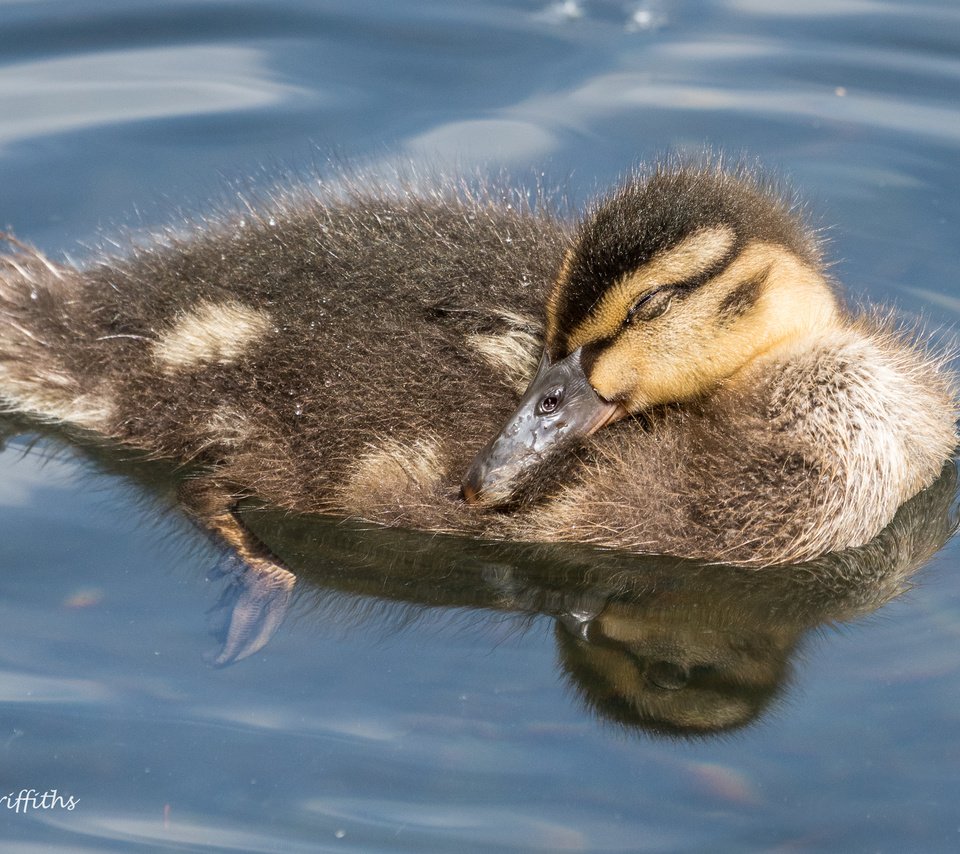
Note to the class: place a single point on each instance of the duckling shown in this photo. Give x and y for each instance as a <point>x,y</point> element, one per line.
<point>667,645</point>
<point>700,390</point>
<point>768,424</point>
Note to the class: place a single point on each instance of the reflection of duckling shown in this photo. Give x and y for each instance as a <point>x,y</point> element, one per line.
<point>350,356</point>
<point>659,644</point>
<point>708,649</point>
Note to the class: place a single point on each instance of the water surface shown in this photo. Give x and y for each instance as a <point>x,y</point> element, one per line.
<point>424,695</point>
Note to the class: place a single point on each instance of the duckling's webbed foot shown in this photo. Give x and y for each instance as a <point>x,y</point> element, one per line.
<point>257,596</point>
<point>249,611</point>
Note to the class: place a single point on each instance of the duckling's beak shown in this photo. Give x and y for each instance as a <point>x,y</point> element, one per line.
<point>558,407</point>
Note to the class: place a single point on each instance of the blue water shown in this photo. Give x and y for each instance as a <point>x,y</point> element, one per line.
<point>416,705</point>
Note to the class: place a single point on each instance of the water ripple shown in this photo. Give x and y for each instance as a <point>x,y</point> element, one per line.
<point>57,95</point>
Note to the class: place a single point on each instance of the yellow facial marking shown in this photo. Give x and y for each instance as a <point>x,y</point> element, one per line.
<point>689,258</point>
<point>213,333</point>
<point>692,348</point>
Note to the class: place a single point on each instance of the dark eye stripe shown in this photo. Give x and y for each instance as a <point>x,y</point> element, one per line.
<point>742,298</point>
<point>572,310</point>
<point>651,305</point>
<point>591,352</point>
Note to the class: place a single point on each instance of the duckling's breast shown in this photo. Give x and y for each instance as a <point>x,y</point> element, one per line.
<point>812,451</point>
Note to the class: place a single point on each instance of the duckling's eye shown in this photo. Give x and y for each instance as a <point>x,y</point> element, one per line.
<point>652,304</point>
<point>549,402</point>
<point>668,675</point>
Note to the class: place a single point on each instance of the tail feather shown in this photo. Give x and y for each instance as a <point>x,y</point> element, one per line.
<point>34,332</point>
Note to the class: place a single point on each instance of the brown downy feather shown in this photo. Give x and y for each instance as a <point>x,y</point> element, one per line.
<point>351,353</point>
<point>808,456</point>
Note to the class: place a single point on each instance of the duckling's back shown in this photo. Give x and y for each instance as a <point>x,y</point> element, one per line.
<point>351,355</point>
<point>312,353</point>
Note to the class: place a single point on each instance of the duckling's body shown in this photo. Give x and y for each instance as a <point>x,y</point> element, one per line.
<point>352,355</point>
<point>326,359</point>
<point>758,472</point>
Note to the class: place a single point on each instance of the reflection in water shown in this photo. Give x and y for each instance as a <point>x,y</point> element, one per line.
<point>361,732</point>
<point>656,643</point>
<point>662,644</point>
<point>665,645</point>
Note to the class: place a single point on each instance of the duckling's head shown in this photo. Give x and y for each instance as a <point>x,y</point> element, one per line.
<point>672,285</point>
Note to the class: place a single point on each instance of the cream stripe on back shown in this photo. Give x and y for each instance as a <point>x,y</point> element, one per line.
<point>211,333</point>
